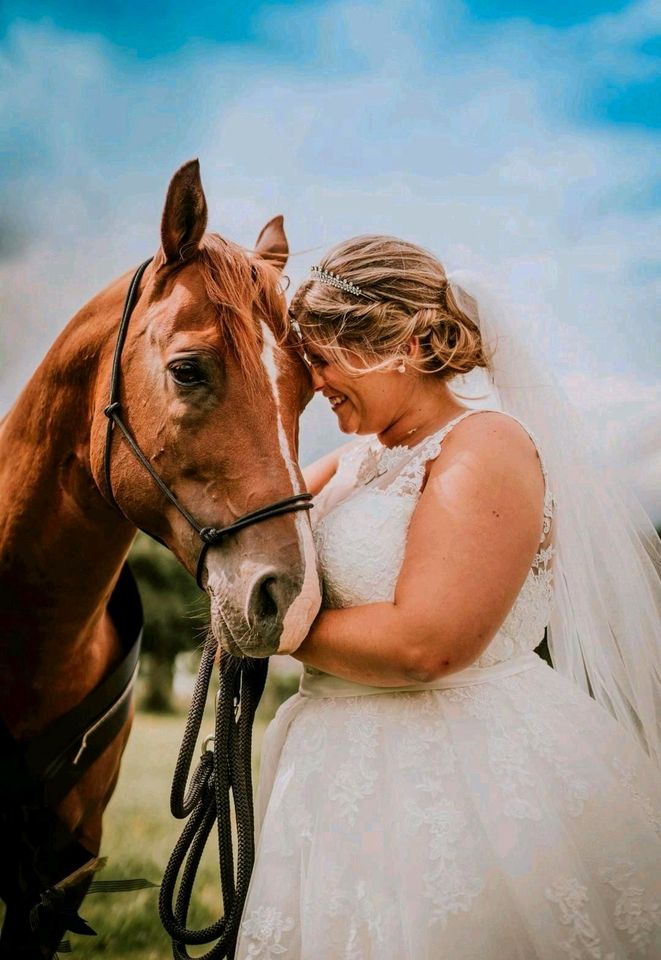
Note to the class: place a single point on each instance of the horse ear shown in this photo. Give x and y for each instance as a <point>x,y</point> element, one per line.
<point>184,217</point>
<point>272,243</point>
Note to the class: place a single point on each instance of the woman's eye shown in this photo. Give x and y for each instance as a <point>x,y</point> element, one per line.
<point>316,362</point>
<point>186,373</point>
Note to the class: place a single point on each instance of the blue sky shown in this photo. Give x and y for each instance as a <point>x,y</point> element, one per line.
<point>517,137</point>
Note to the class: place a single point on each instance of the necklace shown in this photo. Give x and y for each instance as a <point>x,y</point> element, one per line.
<point>378,461</point>
<point>405,436</point>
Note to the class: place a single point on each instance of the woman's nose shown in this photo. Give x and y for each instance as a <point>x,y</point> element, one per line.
<point>317,379</point>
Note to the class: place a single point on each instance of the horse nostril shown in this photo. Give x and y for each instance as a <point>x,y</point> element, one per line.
<point>264,601</point>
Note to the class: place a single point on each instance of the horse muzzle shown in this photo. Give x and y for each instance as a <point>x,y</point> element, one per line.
<point>275,613</point>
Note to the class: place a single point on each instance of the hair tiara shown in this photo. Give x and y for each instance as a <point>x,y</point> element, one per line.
<point>333,280</point>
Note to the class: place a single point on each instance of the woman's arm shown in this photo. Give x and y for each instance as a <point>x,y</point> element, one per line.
<point>317,474</point>
<point>470,545</point>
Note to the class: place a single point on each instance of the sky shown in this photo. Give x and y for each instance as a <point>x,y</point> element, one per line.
<point>519,138</point>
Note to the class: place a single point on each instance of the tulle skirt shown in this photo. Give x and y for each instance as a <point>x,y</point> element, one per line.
<point>511,819</point>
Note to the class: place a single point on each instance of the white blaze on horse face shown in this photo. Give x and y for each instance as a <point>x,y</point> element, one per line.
<point>304,607</point>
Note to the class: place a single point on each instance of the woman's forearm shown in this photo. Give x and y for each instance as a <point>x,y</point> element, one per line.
<point>367,644</point>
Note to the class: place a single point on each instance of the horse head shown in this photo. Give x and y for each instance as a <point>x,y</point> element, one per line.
<point>212,387</point>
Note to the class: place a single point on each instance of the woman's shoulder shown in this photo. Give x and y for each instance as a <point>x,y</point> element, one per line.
<point>497,445</point>
<point>471,430</point>
<point>480,427</point>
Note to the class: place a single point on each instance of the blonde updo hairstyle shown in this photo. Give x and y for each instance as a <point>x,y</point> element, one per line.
<point>412,298</point>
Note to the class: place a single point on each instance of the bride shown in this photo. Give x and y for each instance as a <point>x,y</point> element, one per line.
<point>436,791</point>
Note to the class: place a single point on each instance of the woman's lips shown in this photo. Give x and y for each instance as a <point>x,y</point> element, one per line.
<point>336,401</point>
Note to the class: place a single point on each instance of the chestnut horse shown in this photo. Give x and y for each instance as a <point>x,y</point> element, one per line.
<point>211,393</point>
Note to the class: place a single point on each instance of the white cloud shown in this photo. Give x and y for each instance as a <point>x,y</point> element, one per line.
<point>635,23</point>
<point>457,135</point>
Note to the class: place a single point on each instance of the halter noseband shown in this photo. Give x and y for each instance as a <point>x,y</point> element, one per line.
<point>210,536</point>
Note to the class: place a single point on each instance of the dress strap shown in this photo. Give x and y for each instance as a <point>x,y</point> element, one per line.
<point>404,467</point>
<point>443,432</point>
<point>430,447</point>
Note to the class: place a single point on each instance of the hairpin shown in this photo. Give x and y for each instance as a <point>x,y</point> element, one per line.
<point>332,279</point>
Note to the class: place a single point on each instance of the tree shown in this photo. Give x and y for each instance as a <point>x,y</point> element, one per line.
<point>176,616</point>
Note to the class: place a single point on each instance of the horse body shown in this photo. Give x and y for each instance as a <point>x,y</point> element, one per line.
<point>61,549</point>
<point>219,428</point>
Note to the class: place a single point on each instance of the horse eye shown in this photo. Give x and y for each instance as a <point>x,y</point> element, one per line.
<point>186,373</point>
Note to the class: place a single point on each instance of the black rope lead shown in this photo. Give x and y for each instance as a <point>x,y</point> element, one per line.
<point>222,781</point>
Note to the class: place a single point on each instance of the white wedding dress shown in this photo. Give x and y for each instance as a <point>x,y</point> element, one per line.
<point>498,814</point>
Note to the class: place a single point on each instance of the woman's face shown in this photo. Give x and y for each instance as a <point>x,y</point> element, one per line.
<point>364,403</point>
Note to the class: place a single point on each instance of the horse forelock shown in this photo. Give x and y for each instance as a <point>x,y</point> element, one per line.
<point>246,292</point>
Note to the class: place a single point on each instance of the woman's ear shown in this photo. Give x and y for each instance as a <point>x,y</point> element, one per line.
<point>413,348</point>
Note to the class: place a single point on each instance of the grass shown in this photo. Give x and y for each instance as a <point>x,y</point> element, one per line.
<point>139,836</point>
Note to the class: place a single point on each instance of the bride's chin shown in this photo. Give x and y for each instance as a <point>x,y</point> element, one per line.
<point>343,416</point>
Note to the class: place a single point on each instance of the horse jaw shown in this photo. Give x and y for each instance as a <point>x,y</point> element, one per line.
<point>237,628</point>
<point>304,608</point>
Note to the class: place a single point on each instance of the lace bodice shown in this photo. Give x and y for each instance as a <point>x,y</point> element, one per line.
<point>360,525</point>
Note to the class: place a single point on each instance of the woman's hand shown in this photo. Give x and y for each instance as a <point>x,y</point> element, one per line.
<point>471,542</point>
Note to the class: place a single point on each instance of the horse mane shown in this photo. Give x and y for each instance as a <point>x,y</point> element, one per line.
<point>245,289</point>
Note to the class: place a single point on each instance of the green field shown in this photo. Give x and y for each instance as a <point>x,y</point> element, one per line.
<point>138,838</point>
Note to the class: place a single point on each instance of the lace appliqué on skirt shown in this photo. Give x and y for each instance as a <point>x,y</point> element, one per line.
<point>264,929</point>
<point>572,902</point>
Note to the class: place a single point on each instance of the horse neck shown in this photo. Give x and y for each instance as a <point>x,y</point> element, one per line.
<point>61,544</point>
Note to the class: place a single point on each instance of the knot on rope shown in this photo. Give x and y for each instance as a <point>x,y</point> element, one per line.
<point>210,535</point>
<point>112,408</point>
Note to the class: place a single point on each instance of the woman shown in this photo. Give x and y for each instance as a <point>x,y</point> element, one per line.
<point>436,790</point>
